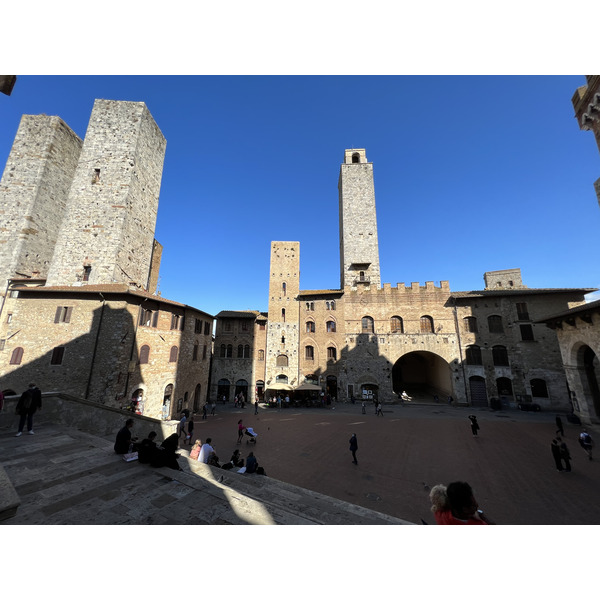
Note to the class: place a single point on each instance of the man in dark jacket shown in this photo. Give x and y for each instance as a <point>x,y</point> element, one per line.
<point>29,402</point>
<point>124,439</point>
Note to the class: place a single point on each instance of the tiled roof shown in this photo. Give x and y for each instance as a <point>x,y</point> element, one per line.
<point>520,292</point>
<point>319,292</point>
<point>108,288</point>
<point>588,307</point>
<point>238,314</point>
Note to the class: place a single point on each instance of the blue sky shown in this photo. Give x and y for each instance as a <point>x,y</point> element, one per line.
<point>472,173</point>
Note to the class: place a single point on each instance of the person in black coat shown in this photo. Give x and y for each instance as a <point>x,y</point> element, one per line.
<point>474,424</point>
<point>29,402</point>
<point>124,440</point>
<point>147,449</point>
<point>354,447</point>
<point>565,454</point>
<point>556,454</point>
<point>559,426</point>
<point>166,455</point>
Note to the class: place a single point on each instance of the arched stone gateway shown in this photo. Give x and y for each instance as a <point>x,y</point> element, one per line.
<point>422,375</point>
<point>588,370</point>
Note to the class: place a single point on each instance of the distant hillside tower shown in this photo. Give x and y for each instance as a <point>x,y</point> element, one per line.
<point>282,330</point>
<point>33,195</point>
<point>108,231</point>
<point>359,247</point>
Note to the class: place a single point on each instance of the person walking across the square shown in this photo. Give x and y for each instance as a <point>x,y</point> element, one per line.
<point>559,426</point>
<point>474,424</point>
<point>556,454</point>
<point>586,442</point>
<point>564,454</point>
<point>354,447</point>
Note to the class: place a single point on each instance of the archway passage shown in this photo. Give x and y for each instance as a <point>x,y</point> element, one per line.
<point>422,375</point>
<point>589,369</point>
<point>223,388</point>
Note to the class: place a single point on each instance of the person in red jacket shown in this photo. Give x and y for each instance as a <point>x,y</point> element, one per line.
<point>456,505</point>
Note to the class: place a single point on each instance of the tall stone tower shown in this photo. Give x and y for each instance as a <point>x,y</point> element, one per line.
<point>108,231</point>
<point>33,195</point>
<point>586,102</point>
<point>359,247</point>
<point>284,314</point>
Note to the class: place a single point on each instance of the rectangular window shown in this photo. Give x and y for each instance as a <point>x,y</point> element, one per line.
<point>198,326</point>
<point>177,322</point>
<point>527,333</point>
<point>262,326</point>
<point>331,353</point>
<point>9,317</point>
<point>206,328</point>
<point>63,314</point>
<point>522,312</point>
<point>86,273</point>
<point>226,325</point>
<point>309,353</point>
<point>57,355</point>
<point>245,325</point>
<point>195,352</point>
<point>204,352</point>
<point>2,344</point>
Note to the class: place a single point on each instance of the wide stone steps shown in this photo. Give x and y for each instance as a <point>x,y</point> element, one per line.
<point>66,476</point>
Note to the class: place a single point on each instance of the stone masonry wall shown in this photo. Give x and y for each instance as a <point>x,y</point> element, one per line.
<point>112,206</point>
<point>358,222</point>
<point>285,270</point>
<point>33,194</point>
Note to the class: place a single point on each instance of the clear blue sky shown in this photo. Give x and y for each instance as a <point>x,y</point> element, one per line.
<point>472,173</point>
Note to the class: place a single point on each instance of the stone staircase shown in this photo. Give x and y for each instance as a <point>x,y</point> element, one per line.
<point>63,475</point>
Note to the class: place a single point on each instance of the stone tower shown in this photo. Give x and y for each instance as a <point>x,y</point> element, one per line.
<point>359,247</point>
<point>33,195</point>
<point>586,102</point>
<point>108,231</point>
<point>282,330</point>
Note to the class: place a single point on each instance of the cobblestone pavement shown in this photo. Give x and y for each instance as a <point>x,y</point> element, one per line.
<point>413,447</point>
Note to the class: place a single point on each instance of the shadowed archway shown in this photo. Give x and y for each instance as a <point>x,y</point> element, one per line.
<point>422,373</point>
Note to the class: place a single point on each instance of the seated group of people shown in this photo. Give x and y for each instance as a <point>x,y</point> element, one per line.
<point>149,452</point>
<point>206,453</point>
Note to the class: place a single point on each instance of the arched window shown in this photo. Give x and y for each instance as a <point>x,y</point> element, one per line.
<point>229,353</point>
<point>282,360</point>
<point>240,351</point>
<point>144,354</point>
<point>17,356</point>
<point>310,326</point>
<point>281,379</point>
<point>309,353</point>
<point>332,307</point>
<point>246,351</point>
<point>330,326</point>
<point>396,325</point>
<point>473,355</point>
<point>173,354</point>
<point>356,158</point>
<point>500,356</point>
<point>470,324</point>
<point>539,388</point>
<point>223,351</point>
<point>368,325</point>
<point>426,324</point>
<point>504,386</point>
<point>495,324</point>
<point>283,314</point>
<point>331,353</point>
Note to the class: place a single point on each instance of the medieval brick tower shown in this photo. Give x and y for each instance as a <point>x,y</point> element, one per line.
<point>282,331</point>
<point>107,234</point>
<point>359,248</point>
<point>33,195</point>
